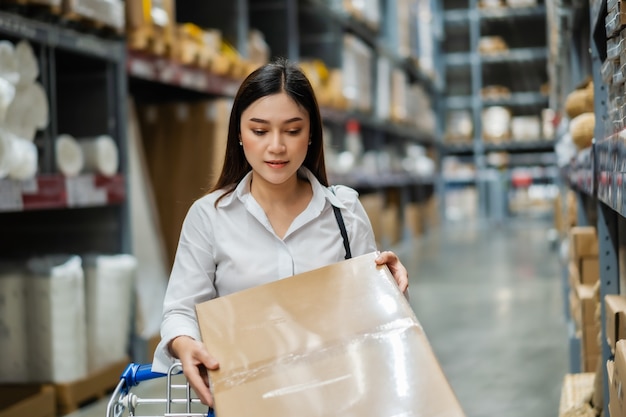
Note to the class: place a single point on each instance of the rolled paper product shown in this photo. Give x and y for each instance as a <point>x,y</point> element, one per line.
<point>26,62</point>
<point>8,62</point>
<point>6,152</point>
<point>39,109</point>
<point>7,94</point>
<point>24,166</point>
<point>69,155</point>
<point>101,154</point>
<point>28,111</point>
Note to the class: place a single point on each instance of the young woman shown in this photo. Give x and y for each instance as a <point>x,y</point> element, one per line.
<point>271,215</point>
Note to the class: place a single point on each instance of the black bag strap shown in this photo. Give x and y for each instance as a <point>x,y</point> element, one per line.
<point>342,229</point>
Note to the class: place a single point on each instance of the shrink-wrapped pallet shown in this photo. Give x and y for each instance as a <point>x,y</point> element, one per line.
<point>13,342</point>
<point>496,122</point>
<point>109,282</point>
<point>57,335</point>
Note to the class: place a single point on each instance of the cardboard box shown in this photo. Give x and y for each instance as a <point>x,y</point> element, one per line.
<point>615,306</point>
<point>589,269</point>
<point>583,241</point>
<point>587,299</point>
<point>27,400</point>
<point>340,340</point>
<point>616,392</point>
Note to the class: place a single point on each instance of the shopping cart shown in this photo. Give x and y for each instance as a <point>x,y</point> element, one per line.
<point>178,399</point>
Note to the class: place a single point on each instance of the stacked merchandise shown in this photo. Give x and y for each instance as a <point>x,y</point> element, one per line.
<point>584,282</point>
<point>67,323</point>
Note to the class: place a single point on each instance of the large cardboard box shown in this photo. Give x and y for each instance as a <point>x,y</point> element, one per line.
<point>615,306</point>
<point>617,404</point>
<point>340,340</point>
<point>583,241</point>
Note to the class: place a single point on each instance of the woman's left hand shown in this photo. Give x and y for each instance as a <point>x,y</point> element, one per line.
<point>398,270</point>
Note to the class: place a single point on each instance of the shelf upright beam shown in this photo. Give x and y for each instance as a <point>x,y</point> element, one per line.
<point>476,80</point>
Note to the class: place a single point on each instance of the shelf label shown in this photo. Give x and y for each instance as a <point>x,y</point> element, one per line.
<point>10,195</point>
<point>81,192</point>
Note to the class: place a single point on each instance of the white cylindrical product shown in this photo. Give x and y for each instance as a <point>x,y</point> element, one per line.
<point>101,154</point>
<point>69,155</point>
<point>27,63</point>
<point>6,152</point>
<point>28,111</point>
<point>7,94</point>
<point>8,62</point>
<point>24,165</point>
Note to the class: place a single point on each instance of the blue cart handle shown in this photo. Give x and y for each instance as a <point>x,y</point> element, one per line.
<point>136,373</point>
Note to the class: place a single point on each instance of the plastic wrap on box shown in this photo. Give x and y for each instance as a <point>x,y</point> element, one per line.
<point>13,342</point>
<point>109,281</point>
<point>340,340</point>
<point>57,336</point>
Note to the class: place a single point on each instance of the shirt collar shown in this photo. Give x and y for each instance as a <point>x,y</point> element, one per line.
<point>320,193</point>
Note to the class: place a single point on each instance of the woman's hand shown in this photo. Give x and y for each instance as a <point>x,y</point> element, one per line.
<point>196,362</point>
<point>398,270</point>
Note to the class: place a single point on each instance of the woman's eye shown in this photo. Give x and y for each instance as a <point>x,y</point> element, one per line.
<point>294,132</point>
<point>258,132</point>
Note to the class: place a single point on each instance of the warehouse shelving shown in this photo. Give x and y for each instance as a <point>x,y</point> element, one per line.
<point>596,174</point>
<point>303,29</point>
<point>521,68</point>
<point>51,213</point>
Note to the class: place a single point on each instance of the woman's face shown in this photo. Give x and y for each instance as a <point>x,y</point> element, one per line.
<point>275,137</point>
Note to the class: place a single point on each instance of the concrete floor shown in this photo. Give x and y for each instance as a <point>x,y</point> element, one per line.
<point>491,303</point>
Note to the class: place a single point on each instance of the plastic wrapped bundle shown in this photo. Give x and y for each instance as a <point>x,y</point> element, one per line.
<point>69,155</point>
<point>13,341</point>
<point>101,154</point>
<point>581,129</point>
<point>57,335</point>
<point>109,282</point>
<point>18,157</point>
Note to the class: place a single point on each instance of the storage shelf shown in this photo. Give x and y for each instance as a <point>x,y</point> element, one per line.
<point>516,55</point>
<point>506,13</point>
<point>536,145</point>
<point>166,71</point>
<point>370,36</point>
<point>341,117</point>
<point>459,102</point>
<point>457,148</point>
<point>457,16</point>
<point>61,37</point>
<point>610,190</point>
<point>458,59</point>
<point>519,99</point>
<point>384,180</point>
<point>54,191</point>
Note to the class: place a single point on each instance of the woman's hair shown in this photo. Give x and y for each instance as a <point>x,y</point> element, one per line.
<point>272,78</point>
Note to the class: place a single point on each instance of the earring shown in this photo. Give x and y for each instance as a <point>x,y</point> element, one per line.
<point>310,142</point>
<point>240,143</point>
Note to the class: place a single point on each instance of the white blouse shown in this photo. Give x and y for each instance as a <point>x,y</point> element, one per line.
<point>232,247</point>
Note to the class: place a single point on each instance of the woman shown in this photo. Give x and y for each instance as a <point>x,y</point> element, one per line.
<point>269,216</point>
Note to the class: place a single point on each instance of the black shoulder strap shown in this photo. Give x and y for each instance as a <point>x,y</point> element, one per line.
<point>342,229</point>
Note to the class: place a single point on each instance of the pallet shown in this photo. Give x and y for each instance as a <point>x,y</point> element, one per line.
<point>72,395</point>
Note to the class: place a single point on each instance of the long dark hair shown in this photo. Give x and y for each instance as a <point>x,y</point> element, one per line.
<point>273,78</point>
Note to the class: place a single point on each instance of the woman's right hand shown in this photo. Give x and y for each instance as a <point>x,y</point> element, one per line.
<point>196,362</point>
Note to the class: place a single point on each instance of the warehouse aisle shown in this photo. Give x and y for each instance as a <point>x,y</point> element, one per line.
<point>491,303</point>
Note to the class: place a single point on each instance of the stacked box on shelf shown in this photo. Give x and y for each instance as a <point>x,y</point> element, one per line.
<point>150,26</point>
<point>584,293</point>
<point>613,69</point>
<point>100,13</point>
<point>616,371</point>
<point>357,73</point>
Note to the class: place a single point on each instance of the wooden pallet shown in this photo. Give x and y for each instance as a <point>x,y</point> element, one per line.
<point>72,395</point>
